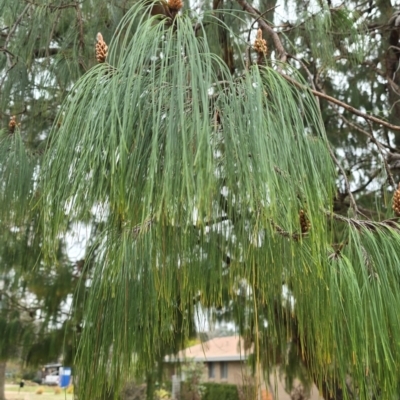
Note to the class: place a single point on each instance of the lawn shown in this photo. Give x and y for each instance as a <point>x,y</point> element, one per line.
<point>29,393</point>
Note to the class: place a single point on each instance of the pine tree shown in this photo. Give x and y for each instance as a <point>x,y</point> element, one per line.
<point>36,324</point>
<point>228,153</point>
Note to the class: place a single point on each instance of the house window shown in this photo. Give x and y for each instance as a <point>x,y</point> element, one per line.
<point>224,370</point>
<point>211,370</point>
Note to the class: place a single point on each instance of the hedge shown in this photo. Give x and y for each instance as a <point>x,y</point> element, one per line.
<point>220,391</point>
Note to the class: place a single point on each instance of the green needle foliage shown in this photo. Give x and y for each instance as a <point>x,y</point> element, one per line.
<point>17,177</point>
<point>186,165</point>
<point>209,181</point>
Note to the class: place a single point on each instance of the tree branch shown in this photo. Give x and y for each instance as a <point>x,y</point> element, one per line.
<point>378,144</point>
<point>392,223</point>
<point>286,234</point>
<point>346,106</point>
<point>81,35</point>
<point>310,76</point>
<point>371,178</point>
<point>54,7</point>
<point>12,30</point>
<point>267,29</point>
<point>385,163</point>
<point>38,53</point>
<point>359,129</point>
<point>283,57</point>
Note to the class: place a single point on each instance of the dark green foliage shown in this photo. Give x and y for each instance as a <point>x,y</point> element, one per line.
<point>135,120</point>
<point>195,162</point>
<point>220,391</point>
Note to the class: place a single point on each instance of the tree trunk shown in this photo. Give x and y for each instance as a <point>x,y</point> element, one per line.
<point>2,379</point>
<point>149,386</point>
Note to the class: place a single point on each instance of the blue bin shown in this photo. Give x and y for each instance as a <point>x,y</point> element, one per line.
<point>65,377</point>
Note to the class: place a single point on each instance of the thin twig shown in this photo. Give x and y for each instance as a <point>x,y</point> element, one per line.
<point>266,28</point>
<point>307,71</point>
<point>284,233</point>
<point>260,16</point>
<point>248,58</point>
<point>137,229</point>
<point>10,33</point>
<point>81,36</point>
<point>359,129</point>
<point>378,145</point>
<point>8,69</point>
<point>374,67</point>
<point>353,204</point>
<point>371,178</point>
<point>53,28</point>
<point>342,104</point>
<point>392,223</point>
<point>54,7</point>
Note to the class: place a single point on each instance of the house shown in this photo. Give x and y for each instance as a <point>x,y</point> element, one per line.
<point>224,360</point>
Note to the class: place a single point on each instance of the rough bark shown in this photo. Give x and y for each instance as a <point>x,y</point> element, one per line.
<point>391,62</point>
<point>393,77</point>
<point>2,379</point>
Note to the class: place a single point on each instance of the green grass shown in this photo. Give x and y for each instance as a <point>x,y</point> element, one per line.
<point>29,393</point>
<point>33,396</point>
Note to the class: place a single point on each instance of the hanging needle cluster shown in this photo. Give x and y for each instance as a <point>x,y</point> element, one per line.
<point>260,44</point>
<point>304,222</point>
<point>175,5</point>
<point>12,124</point>
<point>396,201</point>
<point>101,49</point>
<point>147,232</point>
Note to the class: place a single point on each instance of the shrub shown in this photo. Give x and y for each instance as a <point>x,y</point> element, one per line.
<point>39,390</point>
<point>162,394</point>
<point>57,390</point>
<point>29,375</point>
<point>192,388</point>
<point>134,391</point>
<point>220,391</point>
<point>248,390</point>
<point>70,389</point>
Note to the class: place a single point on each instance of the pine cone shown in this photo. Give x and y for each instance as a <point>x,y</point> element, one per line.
<point>175,5</point>
<point>101,49</point>
<point>12,124</point>
<point>396,201</point>
<point>305,225</point>
<point>260,45</point>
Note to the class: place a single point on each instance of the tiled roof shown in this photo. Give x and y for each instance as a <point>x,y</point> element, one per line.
<point>229,348</point>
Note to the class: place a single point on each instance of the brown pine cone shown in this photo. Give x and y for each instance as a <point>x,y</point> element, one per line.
<point>260,44</point>
<point>175,5</point>
<point>12,124</point>
<point>305,225</point>
<point>101,49</point>
<point>396,201</point>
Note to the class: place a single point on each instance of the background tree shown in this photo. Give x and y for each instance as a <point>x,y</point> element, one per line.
<point>209,167</point>
<point>45,47</point>
<point>36,325</point>
<point>37,46</point>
